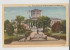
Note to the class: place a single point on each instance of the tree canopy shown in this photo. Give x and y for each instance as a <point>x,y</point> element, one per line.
<point>6,22</point>
<point>10,29</point>
<point>19,19</point>
<point>43,21</point>
<point>57,27</point>
<point>64,26</point>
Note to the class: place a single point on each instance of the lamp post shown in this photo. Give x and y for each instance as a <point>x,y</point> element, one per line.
<point>37,26</point>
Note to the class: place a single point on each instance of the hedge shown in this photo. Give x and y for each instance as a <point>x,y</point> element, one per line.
<point>59,36</point>
<point>9,39</point>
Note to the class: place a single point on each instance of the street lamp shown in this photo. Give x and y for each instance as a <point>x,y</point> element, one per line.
<point>37,26</point>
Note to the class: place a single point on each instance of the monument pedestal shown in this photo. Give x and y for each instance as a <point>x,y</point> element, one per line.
<point>38,37</point>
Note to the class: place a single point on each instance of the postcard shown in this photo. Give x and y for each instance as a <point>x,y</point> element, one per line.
<point>29,25</point>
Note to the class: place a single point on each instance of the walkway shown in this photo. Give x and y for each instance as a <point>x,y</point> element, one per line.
<point>49,41</point>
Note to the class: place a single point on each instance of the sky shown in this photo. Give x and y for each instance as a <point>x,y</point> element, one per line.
<point>50,11</point>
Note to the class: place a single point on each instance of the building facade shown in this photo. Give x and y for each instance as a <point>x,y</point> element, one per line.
<point>35,14</point>
<point>54,20</point>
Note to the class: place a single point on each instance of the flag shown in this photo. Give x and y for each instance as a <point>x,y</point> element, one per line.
<point>28,11</point>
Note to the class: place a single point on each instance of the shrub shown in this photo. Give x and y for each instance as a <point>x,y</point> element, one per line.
<point>56,36</point>
<point>63,37</point>
<point>59,36</point>
<point>57,27</point>
<point>18,38</point>
<point>64,26</point>
<point>27,33</point>
<point>6,22</point>
<point>21,29</point>
<point>28,30</point>
<point>48,34</point>
<point>4,31</point>
<point>9,39</point>
<point>10,29</point>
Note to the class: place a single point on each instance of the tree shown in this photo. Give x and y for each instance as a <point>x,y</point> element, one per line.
<point>64,26</point>
<point>57,27</point>
<point>14,25</point>
<point>22,29</point>
<point>19,19</point>
<point>10,29</point>
<point>29,22</point>
<point>43,21</point>
<point>6,22</point>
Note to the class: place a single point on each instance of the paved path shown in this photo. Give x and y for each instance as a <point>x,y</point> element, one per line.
<point>54,42</point>
<point>50,40</point>
<point>32,35</point>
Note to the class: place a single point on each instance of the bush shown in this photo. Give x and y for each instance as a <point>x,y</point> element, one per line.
<point>6,22</point>
<point>21,28</point>
<point>9,39</point>
<point>57,27</point>
<point>64,26</point>
<point>10,29</point>
<point>4,31</point>
<point>28,30</point>
<point>61,36</point>
<point>56,36</point>
<point>48,34</point>
<point>27,33</point>
<point>18,38</point>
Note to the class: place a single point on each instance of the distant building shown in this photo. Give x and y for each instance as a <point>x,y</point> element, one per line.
<point>13,20</point>
<point>35,14</point>
<point>54,20</point>
<point>22,22</point>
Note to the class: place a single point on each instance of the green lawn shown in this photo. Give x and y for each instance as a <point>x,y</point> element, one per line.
<point>62,34</point>
<point>9,39</point>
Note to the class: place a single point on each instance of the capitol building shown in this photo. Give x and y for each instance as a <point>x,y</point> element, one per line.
<point>34,14</point>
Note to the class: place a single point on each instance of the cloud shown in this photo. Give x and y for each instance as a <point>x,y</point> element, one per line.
<point>10,12</point>
<point>56,13</point>
<point>23,12</point>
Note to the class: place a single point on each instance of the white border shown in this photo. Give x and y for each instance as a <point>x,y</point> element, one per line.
<point>28,2</point>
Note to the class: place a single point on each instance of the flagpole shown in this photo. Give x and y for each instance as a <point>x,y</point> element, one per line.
<point>29,17</point>
<point>41,12</point>
<point>28,13</point>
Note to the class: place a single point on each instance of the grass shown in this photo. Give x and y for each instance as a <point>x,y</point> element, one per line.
<point>6,36</point>
<point>8,39</point>
<point>56,35</point>
<point>62,34</point>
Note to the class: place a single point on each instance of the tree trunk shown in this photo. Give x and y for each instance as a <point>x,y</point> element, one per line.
<point>37,30</point>
<point>43,29</point>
